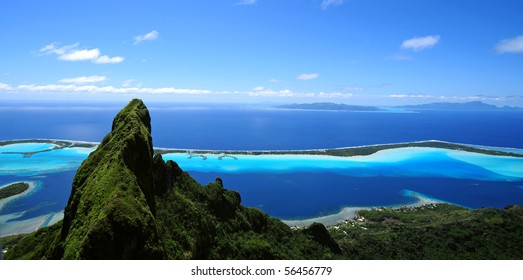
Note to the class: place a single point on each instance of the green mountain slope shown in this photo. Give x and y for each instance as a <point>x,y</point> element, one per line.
<point>125,204</point>
<point>440,231</point>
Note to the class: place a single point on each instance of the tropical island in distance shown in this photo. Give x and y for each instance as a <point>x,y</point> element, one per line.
<point>128,203</point>
<point>466,106</point>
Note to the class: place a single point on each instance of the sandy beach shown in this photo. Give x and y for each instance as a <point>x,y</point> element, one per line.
<point>4,201</point>
<point>348,213</point>
<point>8,227</point>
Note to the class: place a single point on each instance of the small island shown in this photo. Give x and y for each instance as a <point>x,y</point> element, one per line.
<point>13,189</point>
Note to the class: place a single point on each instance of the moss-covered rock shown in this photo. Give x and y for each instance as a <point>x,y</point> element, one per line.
<point>127,204</point>
<point>110,213</point>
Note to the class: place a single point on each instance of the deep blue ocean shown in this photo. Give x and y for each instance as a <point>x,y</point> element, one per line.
<point>285,195</point>
<point>247,128</point>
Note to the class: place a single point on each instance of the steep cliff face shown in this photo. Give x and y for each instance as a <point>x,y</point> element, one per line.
<point>127,204</point>
<point>110,213</point>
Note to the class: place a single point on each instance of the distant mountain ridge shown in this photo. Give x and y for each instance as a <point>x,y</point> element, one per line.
<point>470,106</point>
<point>328,106</point>
<point>473,105</point>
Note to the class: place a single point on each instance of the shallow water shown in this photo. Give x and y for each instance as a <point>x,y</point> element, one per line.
<point>402,162</point>
<point>299,187</point>
<point>26,147</point>
<point>45,162</point>
<point>289,186</point>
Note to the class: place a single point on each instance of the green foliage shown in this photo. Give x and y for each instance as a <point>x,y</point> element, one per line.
<point>110,210</point>
<point>125,204</point>
<point>208,222</point>
<point>37,245</point>
<point>13,189</point>
<point>441,231</point>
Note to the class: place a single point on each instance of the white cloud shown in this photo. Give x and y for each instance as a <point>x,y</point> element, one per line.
<point>395,98</point>
<point>80,55</point>
<point>420,43</point>
<point>246,2</point>
<point>72,53</point>
<point>4,86</point>
<point>146,37</point>
<point>107,89</point>
<point>274,81</point>
<point>53,49</point>
<point>127,83</point>
<point>325,4</point>
<point>334,95</point>
<point>308,76</point>
<point>513,45</point>
<point>104,59</point>
<point>84,80</point>
<point>409,96</point>
<point>272,93</point>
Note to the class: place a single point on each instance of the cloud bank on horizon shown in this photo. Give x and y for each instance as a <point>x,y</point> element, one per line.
<point>252,51</point>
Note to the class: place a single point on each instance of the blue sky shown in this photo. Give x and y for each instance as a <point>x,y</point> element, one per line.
<point>380,52</point>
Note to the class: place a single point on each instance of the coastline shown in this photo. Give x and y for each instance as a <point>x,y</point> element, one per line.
<point>350,151</point>
<point>27,225</point>
<point>31,188</point>
<point>349,213</point>
<point>345,213</point>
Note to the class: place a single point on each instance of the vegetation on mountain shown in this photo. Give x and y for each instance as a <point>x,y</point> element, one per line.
<point>440,231</point>
<point>127,204</point>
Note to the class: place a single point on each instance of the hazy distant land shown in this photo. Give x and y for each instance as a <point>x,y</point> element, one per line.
<point>466,106</point>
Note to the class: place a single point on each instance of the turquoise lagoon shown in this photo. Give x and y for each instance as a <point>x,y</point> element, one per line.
<point>401,162</point>
<point>51,171</point>
<point>285,186</point>
<point>26,147</point>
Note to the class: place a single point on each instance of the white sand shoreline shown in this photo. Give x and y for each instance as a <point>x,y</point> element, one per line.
<point>176,150</point>
<point>5,201</point>
<point>348,213</point>
<point>27,225</point>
